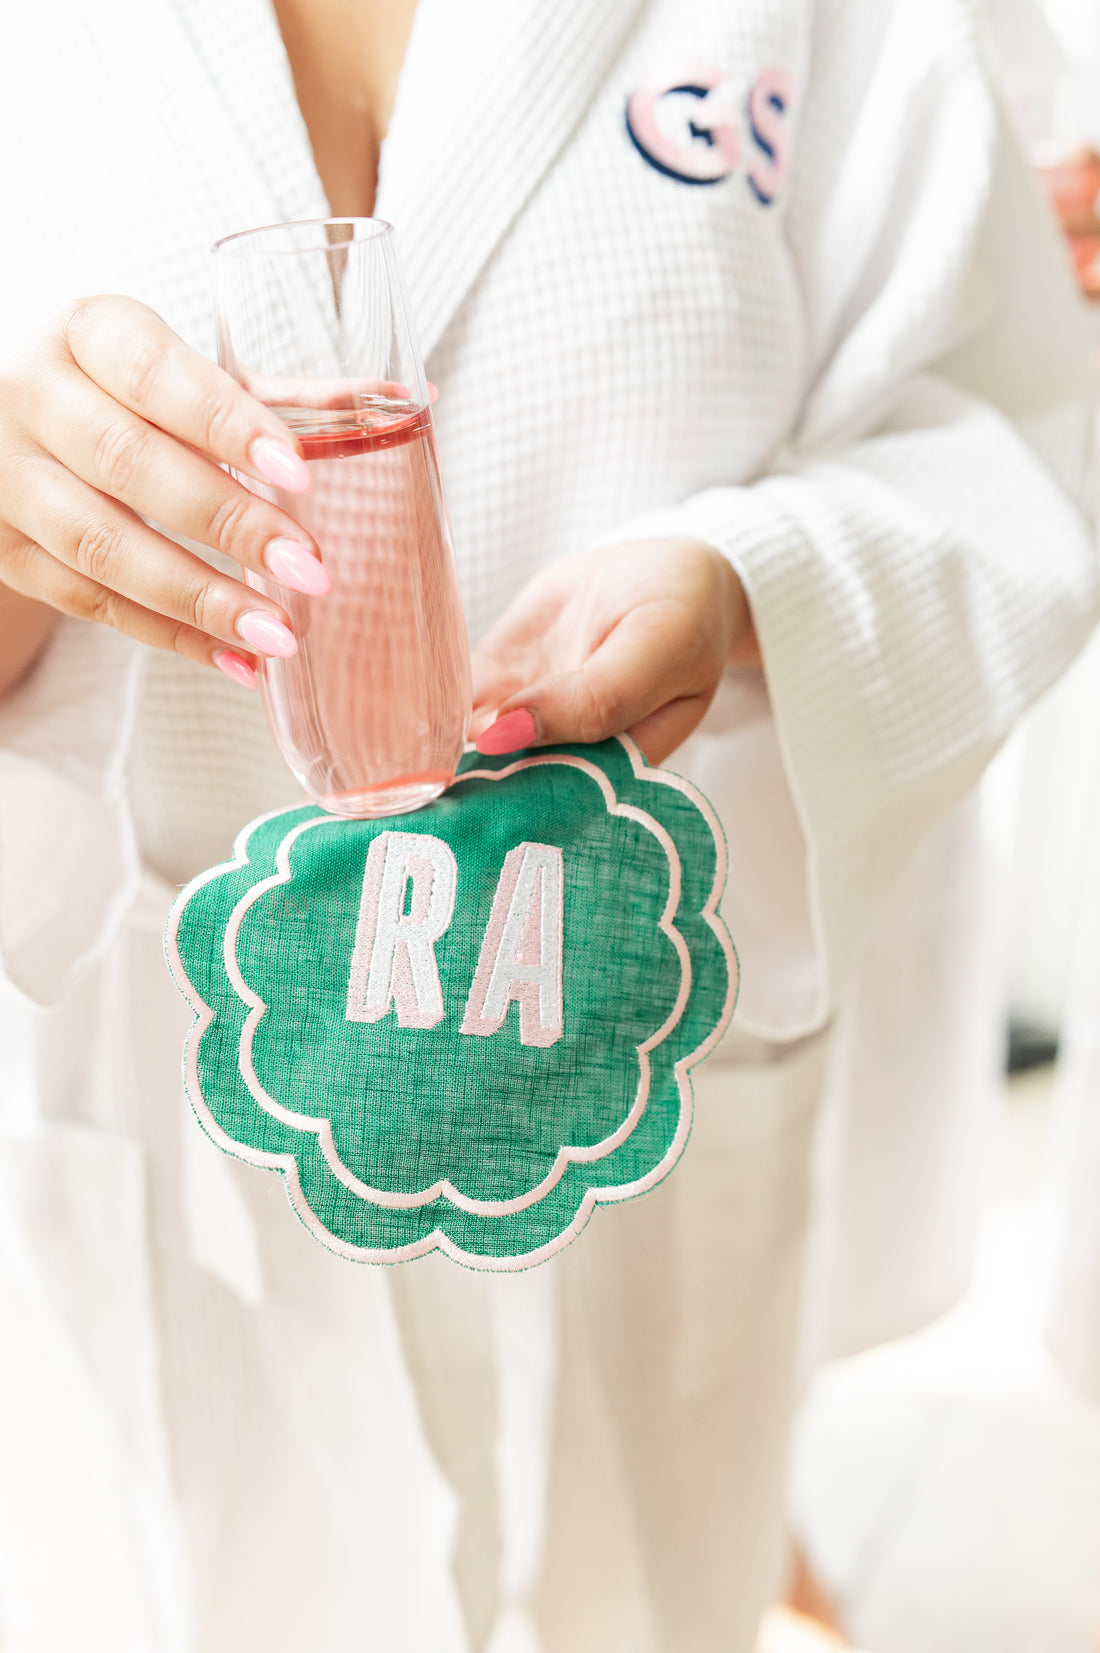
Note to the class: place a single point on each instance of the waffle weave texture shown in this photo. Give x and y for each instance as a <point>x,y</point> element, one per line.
<point>868,390</point>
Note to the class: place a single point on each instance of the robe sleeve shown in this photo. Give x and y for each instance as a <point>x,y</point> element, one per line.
<point>69,865</point>
<point>920,559</point>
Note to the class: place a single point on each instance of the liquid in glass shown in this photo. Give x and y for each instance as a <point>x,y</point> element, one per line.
<point>371,712</point>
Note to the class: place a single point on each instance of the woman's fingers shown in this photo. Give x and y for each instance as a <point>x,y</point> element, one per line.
<point>659,734</point>
<point>137,359</point>
<point>109,419</point>
<point>284,392</point>
<point>108,545</point>
<point>647,664</point>
<point>629,638</point>
<point>32,571</point>
<point>126,458</point>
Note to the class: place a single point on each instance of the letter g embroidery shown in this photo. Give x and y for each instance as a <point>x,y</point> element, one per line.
<point>694,130</point>
<point>686,131</point>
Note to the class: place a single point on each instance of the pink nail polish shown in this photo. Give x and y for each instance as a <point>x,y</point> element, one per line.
<point>278,464</point>
<point>294,565</point>
<point>262,632</point>
<point>236,668</point>
<point>405,393</point>
<point>510,733</point>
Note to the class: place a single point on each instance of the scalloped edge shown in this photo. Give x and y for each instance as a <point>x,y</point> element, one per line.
<point>437,1240</point>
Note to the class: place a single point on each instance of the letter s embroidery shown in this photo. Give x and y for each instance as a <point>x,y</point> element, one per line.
<point>770,103</point>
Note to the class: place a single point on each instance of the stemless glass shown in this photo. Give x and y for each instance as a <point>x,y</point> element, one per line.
<point>371,713</point>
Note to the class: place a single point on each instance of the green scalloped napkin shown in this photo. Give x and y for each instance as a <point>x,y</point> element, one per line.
<point>460,1029</point>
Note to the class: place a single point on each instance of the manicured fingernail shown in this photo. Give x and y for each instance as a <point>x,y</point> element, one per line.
<point>262,632</point>
<point>236,668</point>
<point>510,733</point>
<point>294,564</point>
<point>405,394</point>
<point>278,464</point>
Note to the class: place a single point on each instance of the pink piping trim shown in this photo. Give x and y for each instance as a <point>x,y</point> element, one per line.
<point>437,1240</point>
<point>444,1188</point>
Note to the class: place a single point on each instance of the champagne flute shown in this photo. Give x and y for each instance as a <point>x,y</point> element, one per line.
<point>371,713</point>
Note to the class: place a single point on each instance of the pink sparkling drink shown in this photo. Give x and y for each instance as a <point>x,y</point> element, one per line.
<point>371,713</point>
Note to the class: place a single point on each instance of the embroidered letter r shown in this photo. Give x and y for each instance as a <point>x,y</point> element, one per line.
<point>394,957</point>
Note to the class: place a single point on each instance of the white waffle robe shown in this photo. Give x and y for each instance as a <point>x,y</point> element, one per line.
<point>807,310</point>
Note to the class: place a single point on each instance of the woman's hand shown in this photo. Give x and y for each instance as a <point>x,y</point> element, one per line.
<point>633,637</point>
<point>108,418</point>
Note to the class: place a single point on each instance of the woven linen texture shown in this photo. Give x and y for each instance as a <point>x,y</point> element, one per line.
<point>407,1114</point>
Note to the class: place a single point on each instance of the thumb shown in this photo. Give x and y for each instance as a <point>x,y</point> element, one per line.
<point>559,708</point>
<point>626,681</point>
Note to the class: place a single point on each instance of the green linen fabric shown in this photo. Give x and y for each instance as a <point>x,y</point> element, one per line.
<point>461,1028</point>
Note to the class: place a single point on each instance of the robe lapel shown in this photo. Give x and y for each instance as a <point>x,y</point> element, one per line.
<point>491,91</point>
<point>239,51</point>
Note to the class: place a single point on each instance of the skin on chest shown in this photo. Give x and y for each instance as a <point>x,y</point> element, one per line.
<point>346,58</point>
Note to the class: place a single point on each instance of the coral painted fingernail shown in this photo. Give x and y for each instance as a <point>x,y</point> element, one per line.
<point>278,464</point>
<point>293,564</point>
<point>262,632</point>
<point>236,668</point>
<point>510,733</point>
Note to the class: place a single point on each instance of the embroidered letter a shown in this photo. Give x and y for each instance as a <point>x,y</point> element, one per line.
<point>394,957</point>
<point>521,954</point>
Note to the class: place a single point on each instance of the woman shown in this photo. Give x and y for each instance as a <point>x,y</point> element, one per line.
<point>737,350</point>
<point>1073,183</point>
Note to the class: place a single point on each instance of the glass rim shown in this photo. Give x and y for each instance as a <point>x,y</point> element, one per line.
<point>226,244</point>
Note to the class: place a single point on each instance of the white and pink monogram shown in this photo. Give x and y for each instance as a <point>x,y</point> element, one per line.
<point>408,902</point>
<point>699,128</point>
